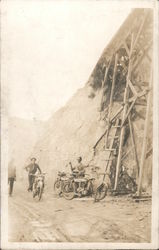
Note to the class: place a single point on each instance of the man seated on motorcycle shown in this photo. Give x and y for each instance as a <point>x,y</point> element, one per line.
<point>79,169</point>
<point>32,169</point>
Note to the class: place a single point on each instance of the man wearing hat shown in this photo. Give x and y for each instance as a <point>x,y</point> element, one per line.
<point>79,167</point>
<point>32,169</point>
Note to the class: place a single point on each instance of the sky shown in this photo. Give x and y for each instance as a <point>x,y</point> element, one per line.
<point>49,49</point>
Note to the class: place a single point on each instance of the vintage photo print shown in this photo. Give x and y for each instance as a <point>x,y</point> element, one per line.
<point>79,124</point>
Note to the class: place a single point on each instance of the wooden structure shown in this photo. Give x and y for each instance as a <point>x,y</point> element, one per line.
<point>125,56</point>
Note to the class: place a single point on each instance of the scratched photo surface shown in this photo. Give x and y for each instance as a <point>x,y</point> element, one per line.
<point>78,104</point>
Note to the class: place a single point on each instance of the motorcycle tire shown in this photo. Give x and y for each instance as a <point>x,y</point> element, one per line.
<point>100,193</point>
<point>34,191</point>
<point>90,191</point>
<point>57,187</point>
<point>68,191</point>
<point>40,192</point>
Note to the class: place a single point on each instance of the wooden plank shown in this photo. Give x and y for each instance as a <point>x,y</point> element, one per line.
<point>140,94</point>
<point>140,30</point>
<point>111,99</point>
<point>144,145</point>
<point>117,113</point>
<point>128,112</point>
<point>124,113</point>
<point>139,60</point>
<point>112,119</point>
<point>133,143</point>
<point>105,78</point>
<point>126,153</point>
<point>126,47</point>
<point>107,168</point>
<point>148,57</point>
<point>132,87</point>
<point>110,149</point>
<point>149,152</point>
<point>143,103</point>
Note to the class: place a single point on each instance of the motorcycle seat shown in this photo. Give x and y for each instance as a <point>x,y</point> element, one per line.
<point>80,180</point>
<point>64,178</point>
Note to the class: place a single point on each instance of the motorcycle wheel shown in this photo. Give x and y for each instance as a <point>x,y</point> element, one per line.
<point>68,191</point>
<point>101,192</point>
<point>90,191</point>
<point>40,191</point>
<point>34,191</point>
<point>57,187</point>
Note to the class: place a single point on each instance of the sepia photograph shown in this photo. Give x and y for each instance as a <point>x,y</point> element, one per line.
<point>79,124</point>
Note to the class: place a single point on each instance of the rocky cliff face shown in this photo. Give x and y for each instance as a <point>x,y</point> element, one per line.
<point>74,129</point>
<point>71,132</point>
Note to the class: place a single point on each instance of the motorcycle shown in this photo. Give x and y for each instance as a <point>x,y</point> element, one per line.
<point>82,186</point>
<point>38,185</point>
<point>59,182</point>
<point>77,186</point>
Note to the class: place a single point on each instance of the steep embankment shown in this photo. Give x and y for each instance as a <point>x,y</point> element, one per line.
<point>72,131</point>
<point>23,135</point>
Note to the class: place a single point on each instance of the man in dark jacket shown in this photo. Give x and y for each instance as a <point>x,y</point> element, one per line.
<point>11,176</point>
<point>32,169</point>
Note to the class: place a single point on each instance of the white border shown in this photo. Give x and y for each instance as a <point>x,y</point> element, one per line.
<point>155,206</point>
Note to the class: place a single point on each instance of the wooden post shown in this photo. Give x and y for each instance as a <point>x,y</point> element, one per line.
<point>123,118</point>
<point>111,98</point>
<point>121,141</point>
<point>133,143</point>
<point>129,110</point>
<point>112,119</point>
<point>105,78</point>
<point>140,29</point>
<point>144,145</point>
<point>139,60</point>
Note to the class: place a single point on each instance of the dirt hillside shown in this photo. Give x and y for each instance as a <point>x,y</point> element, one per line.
<point>23,135</point>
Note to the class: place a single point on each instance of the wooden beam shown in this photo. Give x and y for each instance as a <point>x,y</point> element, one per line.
<point>143,103</point>
<point>149,152</point>
<point>110,150</point>
<point>129,110</point>
<point>133,143</point>
<point>112,119</point>
<point>126,153</point>
<point>106,71</point>
<point>140,30</point>
<point>105,78</point>
<point>148,57</point>
<point>124,113</point>
<point>139,60</point>
<point>144,145</point>
<point>126,47</point>
<point>132,87</point>
<point>139,95</point>
<point>116,114</point>
<point>111,99</point>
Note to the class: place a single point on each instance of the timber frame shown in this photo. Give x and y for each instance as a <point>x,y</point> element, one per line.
<point>134,94</point>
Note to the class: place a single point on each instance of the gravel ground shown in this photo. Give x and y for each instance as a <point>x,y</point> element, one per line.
<point>54,219</point>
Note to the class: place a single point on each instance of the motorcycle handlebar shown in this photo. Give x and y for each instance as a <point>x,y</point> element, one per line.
<point>38,174</point>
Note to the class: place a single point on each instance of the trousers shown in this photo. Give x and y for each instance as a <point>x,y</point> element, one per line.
<point>11,184</point>
<point>31,181</point>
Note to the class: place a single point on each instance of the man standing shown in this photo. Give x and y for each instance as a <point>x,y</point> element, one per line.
<point>11,176</point>
<point>32,168</point>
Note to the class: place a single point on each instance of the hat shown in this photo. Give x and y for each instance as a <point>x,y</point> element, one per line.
<point>79,158</point>
<point>33,158</point>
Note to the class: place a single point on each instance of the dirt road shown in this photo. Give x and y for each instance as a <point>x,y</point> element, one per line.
<point>55,219</point>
